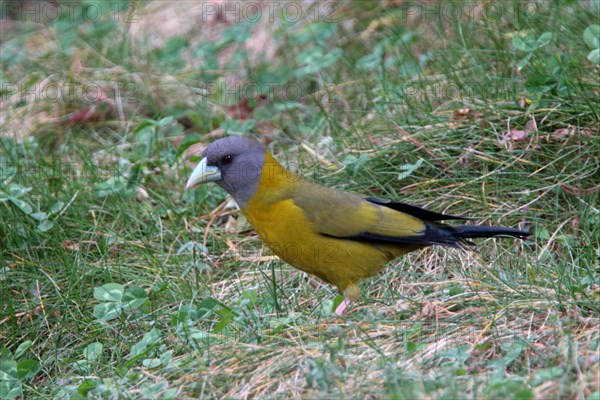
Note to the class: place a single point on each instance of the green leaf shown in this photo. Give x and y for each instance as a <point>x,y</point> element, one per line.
<point>23,347</point>
<point>415,330</point>
<point>591,37</point>
<point>134,292</point>
<point>527,41</point>
<point>165,358</point>
<point>82,366</point>
<point>544,39</point>
<point>514,350</point>
<point>455,289</point>
<point>10,386</point>
<point>112,186</point>
<point>235,127</point>
<point>542,234</point>
<point>198,334</point>
<point>109,292</point>
<point>170,393</point>
<point>239,33</point>
<point>151,363</point>
<point>5,354</point>
<point>190,246</point>
<point>149,340</point>
<point>315,59</point>
<point>187,141</point>
<point>92,351</point>
<point>507,388</point>
<point>152,122</point>
<point>226,317</point>
<point>86,386</point>
<point>107,311</point>
<point>23,206</point>
<point>27,368</point>
<point>15,190</point>
<point>459,354</point>
<point>408,169</point>
<point>39,216</point>
<point>155,391</point>
<point>146,140</point>
<point>524,41</point>
<point>524,61</point>
<point>56,208</point>
<point>45,226</point>
<point>206,306</point>
<point>164,121</point>
<point>594,56</point>
<point>133,298</point>
<point>8,367</point>
<point>327,308</point>
<point>354,163</point>
<point>546,374</point>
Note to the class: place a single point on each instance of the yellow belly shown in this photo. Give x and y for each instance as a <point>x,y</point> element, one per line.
<point>282,225</point>
<point>341,262</point>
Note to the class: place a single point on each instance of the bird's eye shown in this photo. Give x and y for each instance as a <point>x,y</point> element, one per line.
<point>227,159</point>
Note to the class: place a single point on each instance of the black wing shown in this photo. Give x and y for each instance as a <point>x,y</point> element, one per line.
<point>415,211</point>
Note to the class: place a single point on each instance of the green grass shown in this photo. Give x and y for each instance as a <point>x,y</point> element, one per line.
<point>116,283</point>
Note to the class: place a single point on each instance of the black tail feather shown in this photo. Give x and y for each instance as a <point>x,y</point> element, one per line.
<point>470,232</point>
<point>444,235</point>
<point>457,236</point>
<point>435,233</point>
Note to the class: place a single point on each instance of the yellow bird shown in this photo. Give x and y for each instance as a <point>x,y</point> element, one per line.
<point>337,236</point>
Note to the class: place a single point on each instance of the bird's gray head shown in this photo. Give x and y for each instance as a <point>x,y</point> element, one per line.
<point>234,163</point>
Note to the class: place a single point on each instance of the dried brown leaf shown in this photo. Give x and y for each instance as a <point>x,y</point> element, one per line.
<point>231,225</point>
<point>141,194</point>
<point>531,126</point>
<point>70,245</point>
<point>516,135</point>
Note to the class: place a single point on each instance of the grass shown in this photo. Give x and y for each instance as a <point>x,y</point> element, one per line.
<point>115,283</point>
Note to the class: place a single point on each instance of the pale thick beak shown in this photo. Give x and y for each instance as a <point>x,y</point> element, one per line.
<point>203,173</point>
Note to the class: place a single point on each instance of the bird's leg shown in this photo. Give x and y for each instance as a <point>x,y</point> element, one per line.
<point>341,308</point>
<point>351,292</point>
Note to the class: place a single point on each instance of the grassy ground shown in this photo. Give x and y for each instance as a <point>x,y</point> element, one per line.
<point>115,283</point>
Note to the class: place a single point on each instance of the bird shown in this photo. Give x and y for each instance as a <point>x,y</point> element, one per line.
<point>340,237</point>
